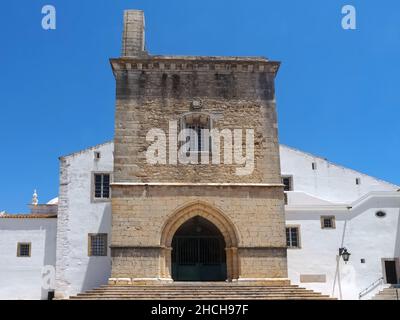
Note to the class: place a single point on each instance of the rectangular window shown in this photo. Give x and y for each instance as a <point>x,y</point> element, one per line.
<point>328,222</point>
<point>197,138</point>
<point>97,244</point>
<point>358,181</point>
<point>314,166</point>
<point>293,237</point>
<point>101,186</point>
<point>196,124</point>
<point>288,182</point>
<point>23,249</point>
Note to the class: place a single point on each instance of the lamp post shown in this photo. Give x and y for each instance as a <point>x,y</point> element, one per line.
<point>344,254</point>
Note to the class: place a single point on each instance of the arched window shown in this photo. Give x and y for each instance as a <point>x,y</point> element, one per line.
<point>199,125</point>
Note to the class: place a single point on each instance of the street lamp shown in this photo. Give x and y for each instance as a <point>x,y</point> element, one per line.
<point>344,254</point>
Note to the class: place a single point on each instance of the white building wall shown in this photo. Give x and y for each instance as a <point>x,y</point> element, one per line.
<point>21,277</point>
<point>329,181</point>
<point>329,190</point>
<point>360,231</point>
<point>79,215</point>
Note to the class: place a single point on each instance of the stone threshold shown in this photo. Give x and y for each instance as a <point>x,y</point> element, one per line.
<point>169,282</point>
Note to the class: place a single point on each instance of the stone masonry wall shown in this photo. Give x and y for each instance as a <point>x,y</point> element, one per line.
<point>142,212</point>
<point>150,94</point>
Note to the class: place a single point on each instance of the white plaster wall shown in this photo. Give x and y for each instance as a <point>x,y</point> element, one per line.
<point>21,277</point>
<point>330,182</point>
<point>360,231</point>
<point>78,216</point>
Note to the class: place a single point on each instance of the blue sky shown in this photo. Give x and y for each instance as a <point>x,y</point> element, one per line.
<point>338,90</point>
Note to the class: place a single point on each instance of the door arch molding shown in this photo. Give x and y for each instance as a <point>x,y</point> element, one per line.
<point>210,213</point>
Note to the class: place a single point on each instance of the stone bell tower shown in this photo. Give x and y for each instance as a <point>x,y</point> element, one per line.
<point>178,218</point>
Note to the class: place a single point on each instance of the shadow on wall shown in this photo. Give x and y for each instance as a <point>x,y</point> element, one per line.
<point>49,259</point>
<point>98,269</point>
<point>397,244</point>
<point>337,279</point>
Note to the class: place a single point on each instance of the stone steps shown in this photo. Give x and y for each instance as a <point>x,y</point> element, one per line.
<point>190,291</point>
<point>239,298</point>
<point>197,296</point>
<point>166,288</point>
<point>199,292</point>
<point>195,293</point>
<point>160,288</point>
<point>388,294</point>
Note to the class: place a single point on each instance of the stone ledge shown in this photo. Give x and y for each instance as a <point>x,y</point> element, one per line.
<point>139,281</point>
<point>194,63</point>
<point>188,184</point>
<point>272,282</point>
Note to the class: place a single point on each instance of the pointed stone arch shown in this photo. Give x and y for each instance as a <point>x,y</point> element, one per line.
<point>213,215</point>
<point>202,209</point>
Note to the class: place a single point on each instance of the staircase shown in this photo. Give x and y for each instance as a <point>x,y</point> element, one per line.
<point>392,293</point>
<point>199,291</point>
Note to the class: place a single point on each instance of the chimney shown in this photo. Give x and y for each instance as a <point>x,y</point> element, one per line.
<point>133,36</point>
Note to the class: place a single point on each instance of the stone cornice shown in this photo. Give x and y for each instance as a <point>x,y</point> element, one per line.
<point>193,63</point>
<point>316,208</point>
<point>143,247</point>
<point>188,184</point>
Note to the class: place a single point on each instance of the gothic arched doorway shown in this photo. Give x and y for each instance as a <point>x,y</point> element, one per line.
<point>198,252</point>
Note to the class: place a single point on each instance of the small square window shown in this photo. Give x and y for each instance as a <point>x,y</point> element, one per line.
<point>293,237</point>
<point>328,222</point>
<point>97,155</point>
<point>358,181</point>
<point>287,181</point>
<point>97,244</point>
<point>23,250</point>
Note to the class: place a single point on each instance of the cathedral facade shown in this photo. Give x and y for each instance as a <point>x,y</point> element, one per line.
<point>158,207</point>
<point>195,187</point>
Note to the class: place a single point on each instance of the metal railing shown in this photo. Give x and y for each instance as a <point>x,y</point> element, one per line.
<point>396,287</point>
<point>372,286</point>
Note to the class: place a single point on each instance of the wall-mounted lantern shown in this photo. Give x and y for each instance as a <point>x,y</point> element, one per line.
<point>344,254</point>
